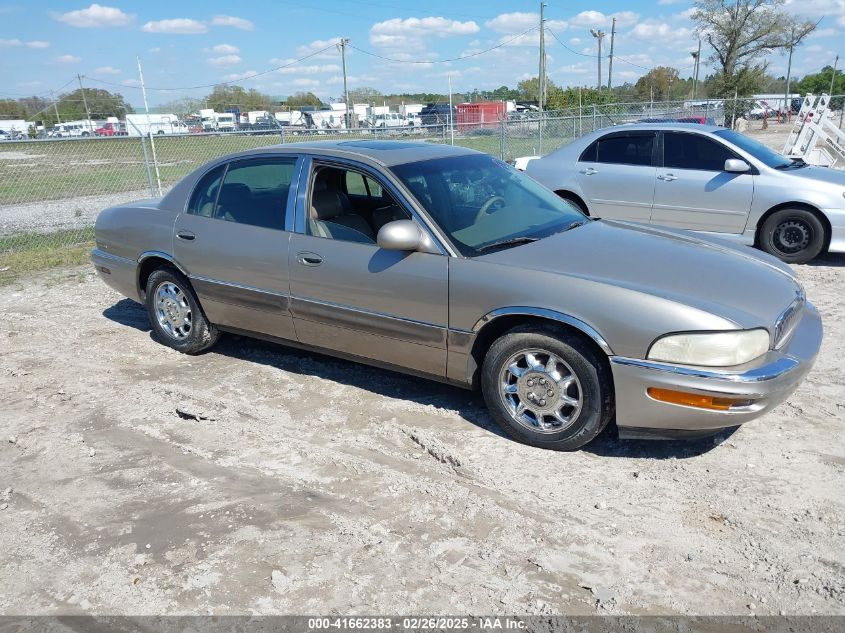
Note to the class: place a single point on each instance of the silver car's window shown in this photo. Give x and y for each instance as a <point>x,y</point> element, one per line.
<point>255,192</point>
<point>759,151</point>
<point>478,201</point>
<point>694,151</point>
<point>633,149</point>
<point>205,194</point>
<point>347,205</point>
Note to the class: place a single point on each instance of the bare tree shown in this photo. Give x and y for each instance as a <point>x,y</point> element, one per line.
<point>743,32</point>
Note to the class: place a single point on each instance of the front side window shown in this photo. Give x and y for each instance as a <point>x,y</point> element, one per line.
<point>349,205</point>
<point>632,149</point>
<point>693,151</point>
<point>255,192</point>
<point>761,152</point>
<point>480,201</point>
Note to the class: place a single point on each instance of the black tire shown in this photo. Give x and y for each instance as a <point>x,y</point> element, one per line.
<point>200,335</point>
<point>594,386</point>
<point>794,236</point>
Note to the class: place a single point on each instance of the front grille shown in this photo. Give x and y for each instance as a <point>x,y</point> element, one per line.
<point>788,320</point>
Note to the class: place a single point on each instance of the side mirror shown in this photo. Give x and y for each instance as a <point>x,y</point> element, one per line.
<point>400,235</point>
<point>736,166</point>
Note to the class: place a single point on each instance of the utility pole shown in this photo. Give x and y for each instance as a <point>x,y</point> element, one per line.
<point>343,43</point>
<point>85,101</point>
<point>833,76</point>
<point>610,60</point>
<point>787,105</point>
<point>599,35</point>
<point>55,107</point>
<point>697,57</point>
<point>542,74</point>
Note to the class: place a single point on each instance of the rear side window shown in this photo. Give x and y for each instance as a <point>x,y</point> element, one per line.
<point>255,192</point>
<point>693,151</point>
<point>205,195</point>
<point>635,149</point>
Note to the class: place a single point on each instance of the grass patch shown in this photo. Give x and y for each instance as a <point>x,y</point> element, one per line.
<point>31,252</point>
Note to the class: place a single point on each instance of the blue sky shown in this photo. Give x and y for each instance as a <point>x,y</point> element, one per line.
<point>43,45</point>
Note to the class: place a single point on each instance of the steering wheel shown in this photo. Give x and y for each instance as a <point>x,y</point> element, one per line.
<point>485,208</point>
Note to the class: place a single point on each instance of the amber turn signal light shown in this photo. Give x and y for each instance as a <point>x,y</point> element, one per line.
<point>694,400</point>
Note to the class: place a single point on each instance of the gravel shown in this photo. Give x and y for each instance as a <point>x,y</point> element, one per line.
<point>371,492</point>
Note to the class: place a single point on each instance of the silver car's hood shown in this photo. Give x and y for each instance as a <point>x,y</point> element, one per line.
<point>823,174</point>
<point>719,279</point>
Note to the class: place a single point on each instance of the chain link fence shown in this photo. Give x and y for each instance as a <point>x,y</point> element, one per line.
<point>51,190</point>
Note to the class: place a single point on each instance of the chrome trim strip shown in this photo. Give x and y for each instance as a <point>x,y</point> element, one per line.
<point>96,252</point>
<point>771,371</point>
<point>239,286</point>
<point>788,320</point>
<point>239,295</point>
<point>147,254</point>
<point>546,314</point>
<point>377,323</point>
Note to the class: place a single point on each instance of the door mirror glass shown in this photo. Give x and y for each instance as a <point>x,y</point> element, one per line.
<point>737,166</point>
<point>400,235</point>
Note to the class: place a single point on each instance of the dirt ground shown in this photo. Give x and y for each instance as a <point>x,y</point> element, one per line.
<point>258,479</point>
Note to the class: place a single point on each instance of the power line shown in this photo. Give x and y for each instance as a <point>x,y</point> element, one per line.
<point>451,59</point>
<point>218,83</point>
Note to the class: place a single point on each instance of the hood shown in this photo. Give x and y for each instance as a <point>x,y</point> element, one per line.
<point>717,278</point>
<point>818,174</point>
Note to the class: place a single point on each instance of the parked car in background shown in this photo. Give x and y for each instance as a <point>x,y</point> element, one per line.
<point>387,119</point>
<point>701,178</point>
<point>447,263</point>
<point>112,129</point>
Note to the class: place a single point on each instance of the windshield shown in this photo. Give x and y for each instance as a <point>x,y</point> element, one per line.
<point>764,154</point>
<point>479,201</point>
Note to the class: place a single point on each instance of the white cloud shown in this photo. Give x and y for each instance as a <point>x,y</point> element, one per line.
<point>239,76</point>
<point>225,49</point>
<point>305,83</point>
<point>38,44</point>
<point>16,42</point>
<point>155,49</point>
<point>670,1</point>
<point>176,26</point>
<point>107,70</point>
<point>95,16</point>
<point>597,19</point>
<point>309,70</point>
<point>653,30</point>
<point>521,21</point>
<point>233,21</point>
<point>131,83</point>
<point>68,59</point>
<point>317,45</point>
<point>413,32</point>
<point>10,43</point>
<point>225,60</point>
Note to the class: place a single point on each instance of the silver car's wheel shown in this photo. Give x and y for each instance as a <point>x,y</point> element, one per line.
<point>173,310</point>
<point>541,391</point>
<point>793,235</point>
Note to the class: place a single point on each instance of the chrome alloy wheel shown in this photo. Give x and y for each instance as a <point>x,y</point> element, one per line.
<point>541,391</point>
<point>792,236</point>
<point>173,310</point>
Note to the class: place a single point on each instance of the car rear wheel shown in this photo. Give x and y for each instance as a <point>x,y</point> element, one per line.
<point>176,316</point>
<point>793,235</point>
<point>547,387</point>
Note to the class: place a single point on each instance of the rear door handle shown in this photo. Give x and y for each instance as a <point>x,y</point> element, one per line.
<point>667,177</point>
<point>309,259</point>
<point>186,235</point>
<point>589,171</point>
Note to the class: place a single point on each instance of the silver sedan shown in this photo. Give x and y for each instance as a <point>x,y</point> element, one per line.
<point>447,263</point>
<point>702,178</point>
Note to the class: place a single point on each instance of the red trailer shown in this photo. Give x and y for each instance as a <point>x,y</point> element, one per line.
<point>481,114</point>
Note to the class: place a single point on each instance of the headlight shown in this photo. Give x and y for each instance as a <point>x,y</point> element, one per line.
<point>711,349</point>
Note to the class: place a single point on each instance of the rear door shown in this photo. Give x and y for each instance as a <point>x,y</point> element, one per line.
<point>616,173</point>
<point>233,241</point>
<point>693,189</point>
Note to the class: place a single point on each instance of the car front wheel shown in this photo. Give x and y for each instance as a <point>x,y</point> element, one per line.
<point>176,316</point>
<point>547,387</point>
<point>793,235</point>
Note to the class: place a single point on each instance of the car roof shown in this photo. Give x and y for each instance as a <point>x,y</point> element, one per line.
<point>383,152</point>
<point>664,125</point>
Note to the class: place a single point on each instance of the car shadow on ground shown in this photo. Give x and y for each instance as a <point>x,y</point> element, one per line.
<point>469,405</point>
<point>836,260</point>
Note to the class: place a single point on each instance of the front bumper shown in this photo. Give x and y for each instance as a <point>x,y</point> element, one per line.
<point>836,217</point>
<point>765,383</point>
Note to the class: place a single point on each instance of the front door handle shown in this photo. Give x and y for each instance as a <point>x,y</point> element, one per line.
<point>589,171</point>
<point>667,177</point>
<point>309,259</point>
<point>186,235</point>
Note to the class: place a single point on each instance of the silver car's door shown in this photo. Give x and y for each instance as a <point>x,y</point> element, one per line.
<point>233,241</point>
<point>616,174</point>
<point>693,189</point>
<point>349,295</point>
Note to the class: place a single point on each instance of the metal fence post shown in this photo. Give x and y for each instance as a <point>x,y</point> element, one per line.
<point>502,131</point>
<point>146,158</point>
